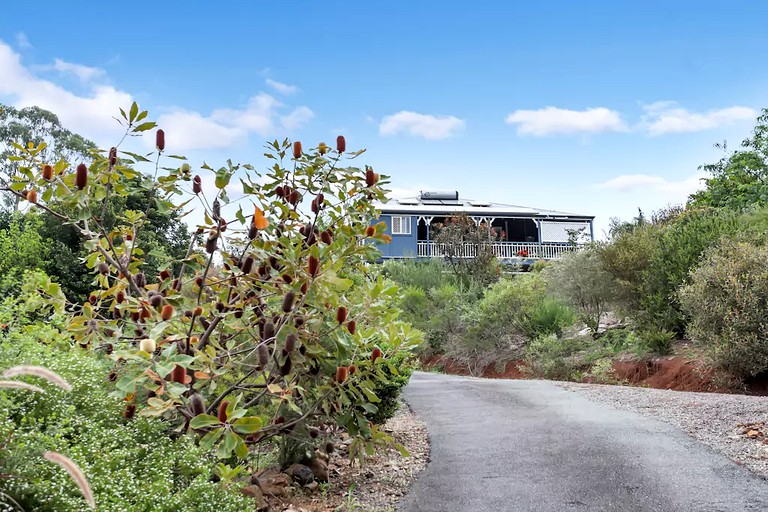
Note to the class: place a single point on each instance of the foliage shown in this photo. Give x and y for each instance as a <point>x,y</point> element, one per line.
<point>425,275</point>
<point>551,357</point>
<point>21,249</point>
<point>468,250</point>
<point>739,180</point>
<point>130,465</point>
<point>658,340</point>
<point>726,300</point>
<point>581,280</point>
<point>397,374</point>
<point>250,334</point>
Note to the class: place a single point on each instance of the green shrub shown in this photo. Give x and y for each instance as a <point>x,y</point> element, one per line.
<point>548,316</point>
<point>130,465</point>
<point>658,340</point>
<point>425,275</point>
<point>552,358</point>
<point>397,372</point>
<point>726,301</point>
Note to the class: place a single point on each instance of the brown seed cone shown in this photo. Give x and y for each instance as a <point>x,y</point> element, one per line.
<point>286,368</point>
<point>177,284</point>
<point>129,411</point>
<point>325,236</point>
<point>375,354</point>
<point>198,311</point>
<point>304,288</point>
<point>295,197</point>
<point>351,326</point>
<point>313,266</point>
<point>341,374</point>
<point>263,355</point>
<point>290,343</point>
<point>352,369</point>
<point>329,447</point>
<point>288,302</point>
<point>47,172</point>
<point>140,279</point>
<point>297,150</point>
<point>32,196</point>
<point>92,298</point>
<point>273,263</point>
<point>210,244</point>
<point>223,411</point>
<point>167,312</point>
<point>199,281</point>
<point>314,207</point>
<point>247,264</point>
<point>155,299</point>
<point>197,185</point>
<point>112,156</point>
<point>298,321</point>
<point>160,139</point>
<point>269,331</point>
<point>120,297</point>
<point>197,404</point>
<point>341,144</point>
<point>178,374</point>
<point>253,231</point>
<point>287,278</point>
<point>370,231</point>
<point>165,274</point>
<point>370,177</point>
<point>145,313</point>
<point>341,314</point>
<point>81,177</point>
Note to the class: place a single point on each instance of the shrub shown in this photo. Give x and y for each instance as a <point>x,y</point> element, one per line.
<point>658,340</point>
<point>580,280</point>
<point>552,358</point>
<point>425,275</point>
<point>397,372</point>
<point>130,465</point>
<point>726,301</point>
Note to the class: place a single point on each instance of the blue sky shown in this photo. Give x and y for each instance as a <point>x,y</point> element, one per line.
<point>592,107</point>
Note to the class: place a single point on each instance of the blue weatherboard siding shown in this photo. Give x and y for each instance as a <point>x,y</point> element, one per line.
<point>401,245</point>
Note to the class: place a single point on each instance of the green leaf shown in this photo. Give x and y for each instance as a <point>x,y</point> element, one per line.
<point>226,447</point>
<point>222,178</point>
<point>145,126</point>
<point>248,425</point>
<point>203,420</point>
<point>241,450</point>
<point>210,438</point>
<point>134,112</point>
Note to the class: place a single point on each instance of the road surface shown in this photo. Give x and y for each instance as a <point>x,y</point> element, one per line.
<point>523,445</point>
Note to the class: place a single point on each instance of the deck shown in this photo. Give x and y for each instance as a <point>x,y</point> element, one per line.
<point>502,250</point>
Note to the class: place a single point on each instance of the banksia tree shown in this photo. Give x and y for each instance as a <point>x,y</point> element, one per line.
<point>264,298</point>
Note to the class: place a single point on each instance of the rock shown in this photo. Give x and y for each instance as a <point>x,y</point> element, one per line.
<point>319,468</point>
<point>301,474</point>
<point>255,492</point>
<point>312,486</point>
<point>272,481</point>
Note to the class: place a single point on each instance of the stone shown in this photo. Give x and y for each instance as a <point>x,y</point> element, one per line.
<point>255,492</point>
<point>312,486</point>
<point>301,474</point>
<point>319,468</point>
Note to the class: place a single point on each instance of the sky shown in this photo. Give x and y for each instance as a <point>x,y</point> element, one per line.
<point>594,107</point>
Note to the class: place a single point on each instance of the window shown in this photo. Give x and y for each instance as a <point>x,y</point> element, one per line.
<point>401,225</point>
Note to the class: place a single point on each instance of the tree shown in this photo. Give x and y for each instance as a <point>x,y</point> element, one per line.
<point>466,246</point>
<point>34,125</point>
<point>739,180</point>
<point>269,326</point>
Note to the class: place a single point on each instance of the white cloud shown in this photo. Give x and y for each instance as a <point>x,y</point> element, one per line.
<point>22,41</point>
<point>83,73</point>
<point>89,114</point>
<point>281,87</point>
<point>664,117</point>
<point>553,120</point>
<point>634,182</point>
<point>187,130</point>
<point>421,125</point>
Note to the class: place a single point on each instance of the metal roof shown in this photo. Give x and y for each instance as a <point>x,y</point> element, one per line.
<point>417,205</point>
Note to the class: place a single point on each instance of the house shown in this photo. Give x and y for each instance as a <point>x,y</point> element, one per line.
<point>514,232</point>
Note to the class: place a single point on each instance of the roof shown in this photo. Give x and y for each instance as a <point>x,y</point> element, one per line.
<point>423,205</point>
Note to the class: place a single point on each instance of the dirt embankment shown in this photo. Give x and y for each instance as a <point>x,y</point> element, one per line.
<point>675,372</point>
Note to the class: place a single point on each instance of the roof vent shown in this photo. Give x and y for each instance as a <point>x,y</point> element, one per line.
<point>441,195</point>
<point>480,204</point>
<point>409,201</point>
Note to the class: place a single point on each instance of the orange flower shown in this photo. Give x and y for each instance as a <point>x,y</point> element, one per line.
<point>259,220</point>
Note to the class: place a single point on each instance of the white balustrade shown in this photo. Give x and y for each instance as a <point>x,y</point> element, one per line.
<point>502,250</point>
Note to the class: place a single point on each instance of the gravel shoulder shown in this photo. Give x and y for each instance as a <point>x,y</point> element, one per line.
<point>733,425</point>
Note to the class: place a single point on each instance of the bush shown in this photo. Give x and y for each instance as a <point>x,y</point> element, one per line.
<point>658,340</point>
<point>580,280</point>
<point>397,372</point>
<point>425,275</point>
<point>130,465</point>
<point>552,358</point>
<point>727,301</point>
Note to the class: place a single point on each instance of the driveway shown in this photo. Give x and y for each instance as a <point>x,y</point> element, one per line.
<point>523,445</point>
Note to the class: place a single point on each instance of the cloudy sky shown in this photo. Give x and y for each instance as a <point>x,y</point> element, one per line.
<point>592,107</point>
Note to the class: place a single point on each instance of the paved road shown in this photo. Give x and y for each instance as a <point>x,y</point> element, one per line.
<point>506,445</point>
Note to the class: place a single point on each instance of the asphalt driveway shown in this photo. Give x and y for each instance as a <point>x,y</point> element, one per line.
<point>522,445</point>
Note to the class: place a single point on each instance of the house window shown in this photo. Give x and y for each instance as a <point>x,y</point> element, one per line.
<point>401,225</point>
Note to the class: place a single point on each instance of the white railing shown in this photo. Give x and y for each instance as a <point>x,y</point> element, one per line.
<point>502,250</point>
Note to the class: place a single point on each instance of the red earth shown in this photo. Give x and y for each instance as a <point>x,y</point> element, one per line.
<point>676,373</point>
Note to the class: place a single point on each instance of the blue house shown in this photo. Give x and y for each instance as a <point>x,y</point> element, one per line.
<point>515,232</point>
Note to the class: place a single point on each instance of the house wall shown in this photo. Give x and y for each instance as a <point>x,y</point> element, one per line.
<point>402,246</point>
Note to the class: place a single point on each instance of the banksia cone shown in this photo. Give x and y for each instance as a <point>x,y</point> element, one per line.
<point>247,264</point>
<point>297,150</point>
<point>351,326</point>
<point>304,288</point>
<point>160,140</point>
<point>352,369</point>
<point>288,302</point>
<point>167,312</point>
<point>223,411</point>
<point>341,374</point>
<point>81,177</point>
<point>147,345</point>
<point>198,311</point>
<point>287,278</point>
<point>210,244</point>
<point>155,299</point>
<point>199,281</point>
<point>178,374</point>
<point>370,178</point>
<point>197,404</point>
<point>216,209</point>
<point>252,231</point>
<point>32,196</point>
<point>313,266</point>
<point>298,321</point>
<point>313,433</point>
<point>375,354</point>
<point>140,279</point>
<point>120,297</point>
<point>112,156</point>
<point>269,331</point>
<point>47,172</point>
<point>144,313</point>
<point>290,343</point>
<point>295,197</point>
<point>129,411</point>
<point>24,193</point>
<point>273,263</point>
<point>314,206</point>
<point>341,314</point>
<point>286,368</point>
<point>263,355</point>
<point>197,185</point>
<point>341,144</point>
<point>165,274</point>
<point>370,231</point>
<point>322,148</point>
<point>329,447</point>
